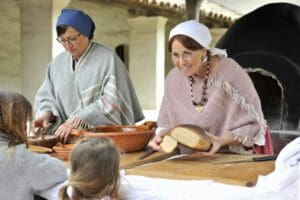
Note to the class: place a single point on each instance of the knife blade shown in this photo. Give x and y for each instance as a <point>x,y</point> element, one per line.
<point>255,159</point>
<point>148,151</point>
<point>155,158</point>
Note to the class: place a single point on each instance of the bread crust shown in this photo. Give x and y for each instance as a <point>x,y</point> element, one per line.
<point>191,136</point>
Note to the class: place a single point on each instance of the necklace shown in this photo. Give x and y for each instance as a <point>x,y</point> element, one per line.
<point>199,106</point>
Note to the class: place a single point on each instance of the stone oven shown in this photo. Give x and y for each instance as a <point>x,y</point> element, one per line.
<point>266,42</point>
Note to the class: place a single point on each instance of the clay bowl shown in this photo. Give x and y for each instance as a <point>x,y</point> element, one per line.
<point>48,141</point>
<point>127,138</point>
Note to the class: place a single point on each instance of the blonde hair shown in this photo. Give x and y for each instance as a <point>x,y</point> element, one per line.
<point>94,170</point>
<point>15,117</point>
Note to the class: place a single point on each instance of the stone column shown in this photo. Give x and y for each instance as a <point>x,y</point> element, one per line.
<point>147,59</point>
<point>36,43</point>
<point>216,34</point>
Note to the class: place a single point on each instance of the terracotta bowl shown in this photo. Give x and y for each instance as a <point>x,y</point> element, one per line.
<point>127,138</point>
<point>48,141</point>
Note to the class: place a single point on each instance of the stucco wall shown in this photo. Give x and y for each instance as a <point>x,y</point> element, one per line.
<point>10,68</point>
<point>36,43</point>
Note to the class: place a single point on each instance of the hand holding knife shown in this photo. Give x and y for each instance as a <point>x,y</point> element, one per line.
<point>148,151</point>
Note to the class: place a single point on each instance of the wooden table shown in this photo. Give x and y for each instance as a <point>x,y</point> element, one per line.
<point>195,167</point>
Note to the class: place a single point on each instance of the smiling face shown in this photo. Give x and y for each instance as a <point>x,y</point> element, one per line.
<point>188,61</point>
<point>74,42</point>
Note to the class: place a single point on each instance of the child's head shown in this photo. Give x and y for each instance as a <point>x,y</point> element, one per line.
<point>15,117</point>
<point>94,169</point>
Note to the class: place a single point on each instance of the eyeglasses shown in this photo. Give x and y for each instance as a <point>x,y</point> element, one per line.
<point>186,56</point>
<point>70,40</point>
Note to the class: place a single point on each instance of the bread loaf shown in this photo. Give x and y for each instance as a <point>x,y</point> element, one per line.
<point>168,144</point>
<point>191,136</point>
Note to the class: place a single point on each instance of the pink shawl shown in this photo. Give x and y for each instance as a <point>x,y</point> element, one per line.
<point>233,105</point>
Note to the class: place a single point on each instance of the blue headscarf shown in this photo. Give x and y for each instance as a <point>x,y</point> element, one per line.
<point>78,20</point>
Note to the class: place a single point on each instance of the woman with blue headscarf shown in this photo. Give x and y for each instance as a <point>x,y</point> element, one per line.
<point>86,85</point>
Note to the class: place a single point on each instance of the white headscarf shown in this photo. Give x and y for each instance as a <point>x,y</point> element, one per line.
<point>199,32</point>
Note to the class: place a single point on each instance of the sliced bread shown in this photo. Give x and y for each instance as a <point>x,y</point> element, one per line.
<point>168,144</point>
<point>191,136</point>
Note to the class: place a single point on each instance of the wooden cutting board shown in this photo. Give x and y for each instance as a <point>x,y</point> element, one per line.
<point>195,167</point>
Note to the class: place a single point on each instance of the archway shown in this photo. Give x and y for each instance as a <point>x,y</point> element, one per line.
<point>270,91</point>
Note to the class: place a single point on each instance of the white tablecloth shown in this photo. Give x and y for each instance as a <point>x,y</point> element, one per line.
<point>281,184</point>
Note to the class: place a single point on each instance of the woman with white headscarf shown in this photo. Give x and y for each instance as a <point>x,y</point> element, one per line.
<point>86,85</point>
<point>207,89</point>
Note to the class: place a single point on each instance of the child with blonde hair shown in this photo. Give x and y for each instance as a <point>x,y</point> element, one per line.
<point>24,174</point>
<point>94,171</point>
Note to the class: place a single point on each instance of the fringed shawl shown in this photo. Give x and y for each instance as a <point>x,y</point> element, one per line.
<point>233,105</point>
<point>99,91</point>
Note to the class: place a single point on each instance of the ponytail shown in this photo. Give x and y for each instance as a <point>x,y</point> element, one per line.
<point>63,195</point>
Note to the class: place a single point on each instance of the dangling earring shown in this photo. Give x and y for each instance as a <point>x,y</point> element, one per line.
<point>204,58</point>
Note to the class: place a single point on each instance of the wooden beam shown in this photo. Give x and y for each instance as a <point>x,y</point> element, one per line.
<point>190,9</point>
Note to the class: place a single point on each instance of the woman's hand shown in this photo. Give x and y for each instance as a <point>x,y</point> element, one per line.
<point>42,121</point>
<point>155,142</point>
<point>218,142</point>
<point>63,131</point>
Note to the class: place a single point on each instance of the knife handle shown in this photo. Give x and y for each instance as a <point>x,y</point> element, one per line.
<point>265,158</point>
<point>148,151</point>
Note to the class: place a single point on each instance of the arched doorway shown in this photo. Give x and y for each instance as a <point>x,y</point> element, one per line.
<point>270,91</point>
<point>122,52</point>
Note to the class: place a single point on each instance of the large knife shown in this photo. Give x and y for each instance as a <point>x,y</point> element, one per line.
<point>255,159</point>
<point>148,151</point>
<point>155,158</point>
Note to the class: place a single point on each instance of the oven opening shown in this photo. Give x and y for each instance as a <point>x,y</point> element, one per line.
<point>270,91</point>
